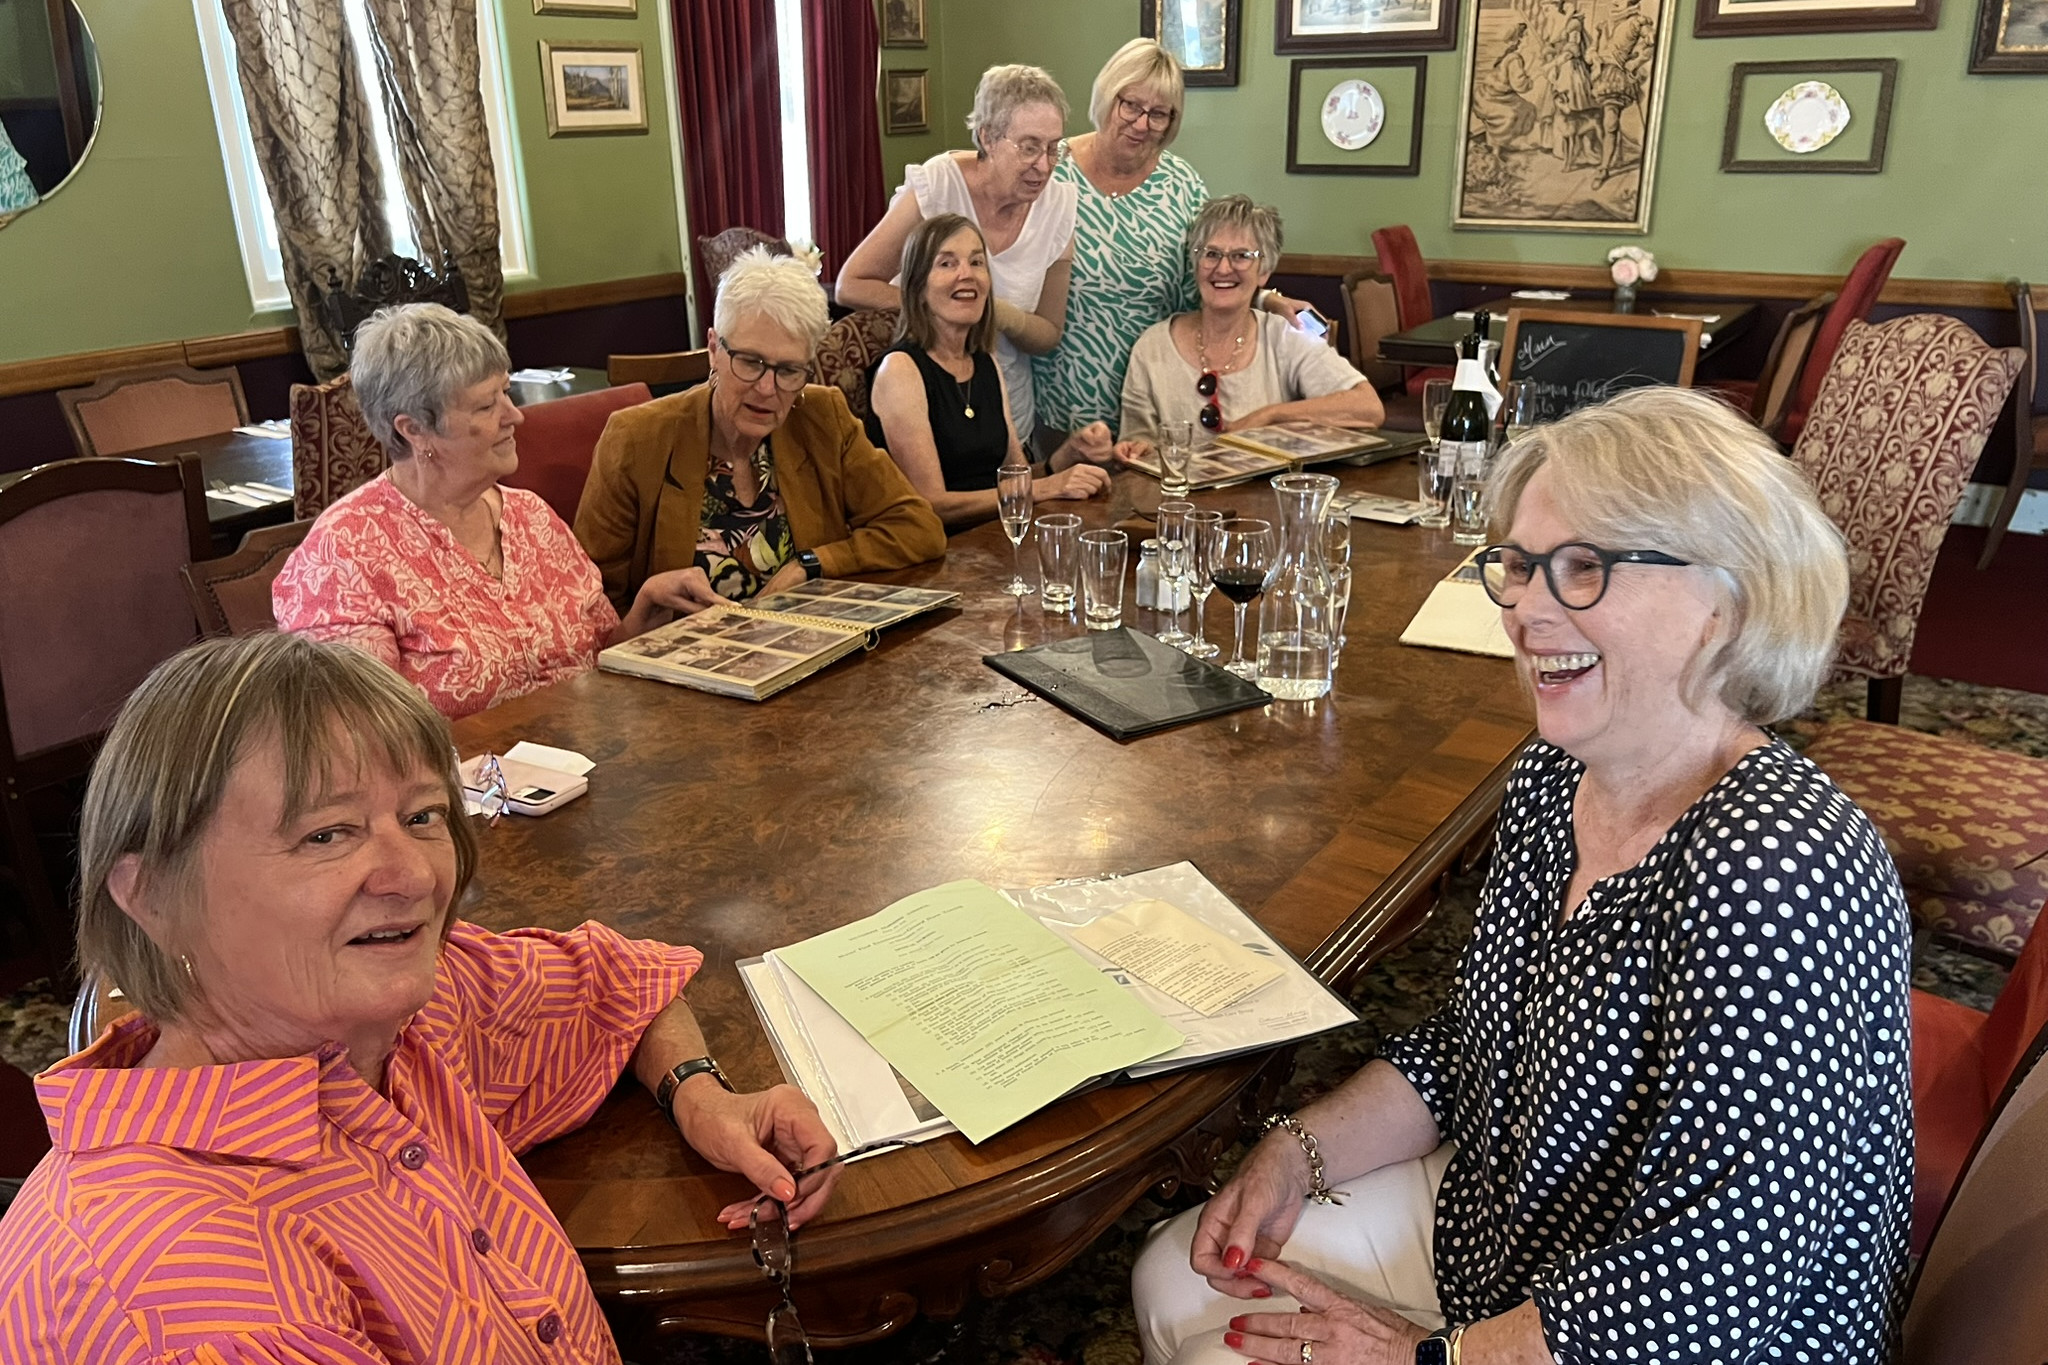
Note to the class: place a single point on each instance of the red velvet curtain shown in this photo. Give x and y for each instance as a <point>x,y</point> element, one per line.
<point>842,53</point>
<point>727,85</point>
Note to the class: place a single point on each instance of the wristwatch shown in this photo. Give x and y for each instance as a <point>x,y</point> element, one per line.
<point>1440,1347</point>
<point>812,567</point>
<point>665,1093</point>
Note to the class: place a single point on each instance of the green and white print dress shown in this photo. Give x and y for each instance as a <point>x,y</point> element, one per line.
<point>1130,270</point>
<point>16,191</point>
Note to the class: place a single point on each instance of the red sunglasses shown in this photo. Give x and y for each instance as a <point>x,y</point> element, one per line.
<point>1212,411</point>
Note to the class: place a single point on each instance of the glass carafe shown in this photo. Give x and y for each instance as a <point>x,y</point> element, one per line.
<point>1295,641</point>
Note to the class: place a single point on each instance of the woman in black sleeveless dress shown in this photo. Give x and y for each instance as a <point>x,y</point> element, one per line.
<point>939,407</point>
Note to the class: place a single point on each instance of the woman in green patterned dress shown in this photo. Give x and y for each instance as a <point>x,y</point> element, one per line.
<point>1130,237</point>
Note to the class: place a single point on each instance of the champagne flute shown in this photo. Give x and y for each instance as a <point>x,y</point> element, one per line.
<point>1336,549</point>
<point>1205,533</point>
<point>1436,396</point>
<point>1171,521</point>
<point>1244,556</point>
<point>1013,501</point>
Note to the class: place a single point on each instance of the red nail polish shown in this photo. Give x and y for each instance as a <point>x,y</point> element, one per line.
<point>1233,1341</point>
<point>1262,1293</point>
<point>1237,1324</point>
<point>1253,1265</point>
<point>1233,1257</point>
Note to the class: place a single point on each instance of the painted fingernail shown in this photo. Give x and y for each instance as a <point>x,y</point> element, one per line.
<point>1254,1265</point>
<point>1262,1293</point>
<point>1233,1341</point>
<point>1233,1257</point>
<point>1237,1324</point>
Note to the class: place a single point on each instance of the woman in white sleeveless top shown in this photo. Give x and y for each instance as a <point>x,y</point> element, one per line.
<point>1005,187</point>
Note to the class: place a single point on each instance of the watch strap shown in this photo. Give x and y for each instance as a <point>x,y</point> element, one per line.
<point>665,1093</point>
<point>814,568</point>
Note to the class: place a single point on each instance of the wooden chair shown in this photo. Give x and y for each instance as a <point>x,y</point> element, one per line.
<point>90,601</point>
<point>663,372</point>
<point>153,406</point>
<point>1768,397</point>
<point>717,253</point>
<point>1858,296</point>
<point>332,448</point>
<point>1401,262</point>
<point>1896,429</point>
<point>558,440</point>
<point>386,281</point>
<point>2030,429</point>
<point>1372,310</point>
<point>850,349</point>
<point>231,595</point>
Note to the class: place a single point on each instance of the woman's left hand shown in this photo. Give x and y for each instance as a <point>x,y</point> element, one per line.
<point>1277,302</point>
<point>1339,1330</point>
<point>762,1135</point>
<point>1092,443</point>
<point>783,579</point>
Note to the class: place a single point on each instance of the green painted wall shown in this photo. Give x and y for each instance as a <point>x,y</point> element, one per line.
<point>946,127</point>
<point>25,69</point>
<point>140,245</point>
<point>1963,182</point>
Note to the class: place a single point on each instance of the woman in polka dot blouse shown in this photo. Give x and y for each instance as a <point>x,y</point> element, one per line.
<point>1665,1115</point>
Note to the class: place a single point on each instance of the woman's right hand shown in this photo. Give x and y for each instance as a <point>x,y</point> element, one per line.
<point>1076,482</point>
<point>1252,1216</point>
<point>684,591</point>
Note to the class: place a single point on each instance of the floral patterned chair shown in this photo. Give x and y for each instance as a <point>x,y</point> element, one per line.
<point>332,448</point>
<point>850,349</point>
<point>1897,427</point>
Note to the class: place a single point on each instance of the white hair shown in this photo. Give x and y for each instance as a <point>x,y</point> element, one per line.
<point>1002,91</point>
<point>411,359</point>
<point>1143,64</point>
<point>780,289</point>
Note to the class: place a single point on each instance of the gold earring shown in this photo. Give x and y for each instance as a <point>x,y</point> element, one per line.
<point>186,963</point>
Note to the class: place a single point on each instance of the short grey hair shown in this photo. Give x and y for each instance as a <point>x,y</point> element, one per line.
<point>1002,91</point>
<point>1262,221</point>
<point>1679,471</point>
<point>780,289</point>
<point>1141,62</point>
<point>411,359</point>
<point>158,782</point>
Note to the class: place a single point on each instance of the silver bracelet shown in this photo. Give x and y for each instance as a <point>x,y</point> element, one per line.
<point>1318,1187</point>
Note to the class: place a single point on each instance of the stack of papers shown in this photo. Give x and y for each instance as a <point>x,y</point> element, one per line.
<point>277,429</point>
<point>249,494</point>
<point>1377,507</point>
<point>531,376</point>
<point>1460,616</point>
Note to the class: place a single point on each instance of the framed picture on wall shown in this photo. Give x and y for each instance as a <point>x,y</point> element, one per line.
<point>1561,114</point>
<point>1353,116</point>
<point>1815,118</point>
<point>903,23</point>
<point>593,87</point>
<point>621,9</point>
<point>1365,25</point>
<point>906,102</point>
<point>1756,18</point>
<point>1203,37</point>
<point>2012,36</point>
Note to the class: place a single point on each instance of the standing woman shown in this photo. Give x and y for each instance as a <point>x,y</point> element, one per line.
<point>938,394</point>
<point>1005,187</point>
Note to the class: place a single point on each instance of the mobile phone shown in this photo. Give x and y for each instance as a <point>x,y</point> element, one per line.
<point>1312,322</point>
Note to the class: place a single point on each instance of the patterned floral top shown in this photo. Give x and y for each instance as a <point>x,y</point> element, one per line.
<point>1130,270</point>
<point>17,191</point>
<point>739,548</point>
<point>378,573</point>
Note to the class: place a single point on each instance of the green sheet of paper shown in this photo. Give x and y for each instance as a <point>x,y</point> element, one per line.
<point>980,1006</point>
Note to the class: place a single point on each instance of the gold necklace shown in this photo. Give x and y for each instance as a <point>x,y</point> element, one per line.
<point>1202,349</point>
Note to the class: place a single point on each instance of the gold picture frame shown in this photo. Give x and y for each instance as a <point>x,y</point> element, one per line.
<point>593,88</point>
<point>906,102</point>
<point>903,23</point>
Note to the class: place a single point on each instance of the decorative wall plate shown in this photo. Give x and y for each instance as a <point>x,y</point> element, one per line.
<point>1353,114</point>
<point>1807,117</point>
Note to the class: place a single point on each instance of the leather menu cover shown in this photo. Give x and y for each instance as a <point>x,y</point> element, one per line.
<point>1125,683</point>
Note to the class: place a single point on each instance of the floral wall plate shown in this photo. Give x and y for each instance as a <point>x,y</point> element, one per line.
<point>1353,114</point>
<point>1807,117</point>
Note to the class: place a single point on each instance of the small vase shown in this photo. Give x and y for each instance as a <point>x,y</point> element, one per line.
<point>1624,298</point>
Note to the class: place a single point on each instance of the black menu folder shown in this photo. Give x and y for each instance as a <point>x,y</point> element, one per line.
<point>1125,683</point>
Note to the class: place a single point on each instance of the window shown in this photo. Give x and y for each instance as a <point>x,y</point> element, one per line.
<point>796,148</point>
<point>254,225</point>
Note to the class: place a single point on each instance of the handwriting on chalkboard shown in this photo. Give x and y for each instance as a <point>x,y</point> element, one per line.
<point>1573,359</point>
<point>1534,348</point>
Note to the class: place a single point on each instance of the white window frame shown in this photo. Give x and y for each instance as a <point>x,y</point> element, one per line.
<point>795,112</point>
<point>256,228</point>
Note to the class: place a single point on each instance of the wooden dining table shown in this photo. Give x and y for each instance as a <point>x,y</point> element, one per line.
<point>1435,342</point>
<point>740,827</point>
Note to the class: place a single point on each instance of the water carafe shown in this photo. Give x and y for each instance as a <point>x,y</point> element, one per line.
<point>1295,639</point>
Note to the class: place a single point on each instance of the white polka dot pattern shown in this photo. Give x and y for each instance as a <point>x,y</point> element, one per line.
<point>1683,1115</point>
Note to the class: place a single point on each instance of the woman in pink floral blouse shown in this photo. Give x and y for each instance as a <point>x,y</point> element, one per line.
<point>475,592</point>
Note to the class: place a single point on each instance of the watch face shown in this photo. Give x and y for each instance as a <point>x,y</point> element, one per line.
<point>1432,1351</point>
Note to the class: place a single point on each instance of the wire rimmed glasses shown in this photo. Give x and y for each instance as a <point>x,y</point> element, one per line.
<point>1577,571</point>
<point>775,1253</point>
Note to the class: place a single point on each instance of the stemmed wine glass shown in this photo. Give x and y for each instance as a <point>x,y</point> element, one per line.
<point>1013,500</point>
<point>1205,533</point>
<point>1244,555</point>
<point>1171,523</point>
<point>1337,563</point>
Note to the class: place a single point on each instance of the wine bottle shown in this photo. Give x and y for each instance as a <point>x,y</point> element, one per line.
<point>1467,435</point>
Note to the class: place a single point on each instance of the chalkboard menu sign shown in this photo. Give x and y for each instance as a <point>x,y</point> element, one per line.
<point>1576,358</point>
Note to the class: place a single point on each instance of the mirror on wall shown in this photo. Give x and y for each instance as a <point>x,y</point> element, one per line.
<point>49,100</point>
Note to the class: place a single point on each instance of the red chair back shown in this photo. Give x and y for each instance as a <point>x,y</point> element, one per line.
<point>2018,1015</point>
<point>1859,295</point>
<point>1401,262</point>
<point>558,440</point>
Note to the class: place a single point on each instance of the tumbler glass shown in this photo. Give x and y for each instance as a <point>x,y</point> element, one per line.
<point>1059,546</point>
<point>1103,556</point>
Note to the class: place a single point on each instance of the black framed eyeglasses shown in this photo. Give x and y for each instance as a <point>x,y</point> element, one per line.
<point>1134,112</point>
<point>1576,571</point>
<point>748,369</point>
<point>775,1253</point>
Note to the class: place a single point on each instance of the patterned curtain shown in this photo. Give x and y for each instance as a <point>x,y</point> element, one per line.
<point>427,66</point>
<point>310,122</point>
<point>727,82</point>
<point>841,64</point>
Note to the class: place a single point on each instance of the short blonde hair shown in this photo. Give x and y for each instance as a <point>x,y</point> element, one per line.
<point>159,781</point>
<point>1261,221</point>
<point>1001,92</point>
<point>1140,62</point>
<point>1678,471</point>
<point>779,288</point>
<point>411,359</point>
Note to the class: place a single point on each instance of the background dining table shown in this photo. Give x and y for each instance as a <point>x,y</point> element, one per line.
<point>1434,343</point>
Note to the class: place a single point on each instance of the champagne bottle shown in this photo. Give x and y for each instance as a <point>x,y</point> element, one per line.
<point>1467,434</point>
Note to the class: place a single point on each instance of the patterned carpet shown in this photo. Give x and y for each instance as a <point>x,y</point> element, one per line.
<point>1082,1315</point>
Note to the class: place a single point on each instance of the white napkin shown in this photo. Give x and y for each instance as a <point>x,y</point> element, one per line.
<point>542,376</point>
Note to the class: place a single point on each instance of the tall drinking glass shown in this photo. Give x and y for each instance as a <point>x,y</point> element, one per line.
<point>1244,554</point>
<point>1337,563</point>
<point>1174,556</point>
<point>1205,534</point>
<point>1521,408</point>
<point>1468,502</point>
<point>1059,548</point>
<point>1434,473</point>
<point>1013,502</point>
<point>1103,556</point>
<point>1176,456</point>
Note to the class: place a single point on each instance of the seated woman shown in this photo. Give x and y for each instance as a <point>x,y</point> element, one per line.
<point>1665,1114</point>
<point>937,394</point>
<point>759,479</point>
<point>1230,366</point>
<point>303,1147</point>
<point>476,592</point>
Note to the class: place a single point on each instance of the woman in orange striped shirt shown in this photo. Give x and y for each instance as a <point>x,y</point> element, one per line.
<point>303,1146</point>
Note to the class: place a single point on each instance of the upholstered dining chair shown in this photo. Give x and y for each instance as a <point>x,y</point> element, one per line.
<point>1401,261</point>
<point>153,406</point>
<point>1894,432</point>
<point>90,601</point>
<point>2030,429</point>
<point>1371,310</point>
<point>1853,302</point>
<point>720,251</point>
<point>850,349</point>
<point>558,440</point>
<point>332,448</point>
<point>231,595</point>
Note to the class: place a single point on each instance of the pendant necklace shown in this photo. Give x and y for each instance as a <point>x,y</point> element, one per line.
<point>1202,350</point>
<point>966,387</point>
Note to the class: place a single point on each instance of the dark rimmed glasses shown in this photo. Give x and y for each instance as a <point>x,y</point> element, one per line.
<point>1159,120</point>
<point>748,369</point>
<point>1212,410</point>
<point>775,1253</point>
<point>1577,571</point>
